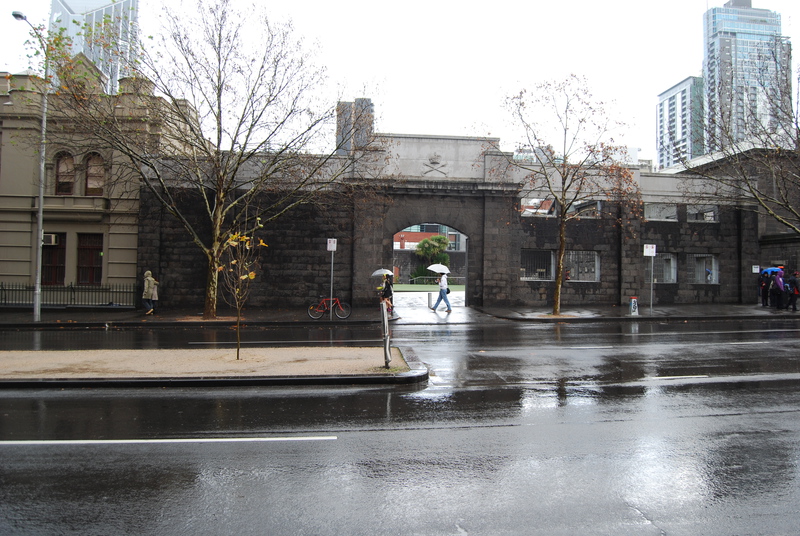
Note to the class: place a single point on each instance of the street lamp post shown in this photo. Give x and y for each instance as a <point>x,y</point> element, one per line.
<point>37,283</point>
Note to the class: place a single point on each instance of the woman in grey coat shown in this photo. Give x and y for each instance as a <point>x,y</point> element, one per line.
<point>150,294</point>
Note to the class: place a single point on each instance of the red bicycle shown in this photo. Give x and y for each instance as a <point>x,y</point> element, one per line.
<point>340,308</point>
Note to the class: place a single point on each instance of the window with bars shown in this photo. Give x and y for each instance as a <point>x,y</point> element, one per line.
<point>582,265</point>
<point>539,265</point>
<point>90,259</point>
<point>660,211</point>
<point>665,268</point>
<point>703,269</point>
<point>54,260</point>
<point>536,265</point>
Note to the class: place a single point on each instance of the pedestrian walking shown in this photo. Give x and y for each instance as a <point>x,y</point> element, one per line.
<point>792,290</point>
<point>387,293</point>
<point>150,294</point>
<point>443,292</point>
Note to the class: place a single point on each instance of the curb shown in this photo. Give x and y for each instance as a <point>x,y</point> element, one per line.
<point>417,374</point>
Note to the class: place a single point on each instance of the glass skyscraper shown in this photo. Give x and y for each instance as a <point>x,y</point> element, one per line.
<point>680,121</point>
<point>747,74</point>
<point>120,15</point>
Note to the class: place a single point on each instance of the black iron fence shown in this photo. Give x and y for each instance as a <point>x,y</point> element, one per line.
<point>16,295</point>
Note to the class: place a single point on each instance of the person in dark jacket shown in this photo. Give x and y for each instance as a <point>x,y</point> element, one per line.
<point>777,291</point>
<point>387,293</point>
<point>791,288</point>
<point>763,288</point>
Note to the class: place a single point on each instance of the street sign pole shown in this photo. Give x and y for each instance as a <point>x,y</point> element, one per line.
<point>332,249</point>
<point>650,251</point>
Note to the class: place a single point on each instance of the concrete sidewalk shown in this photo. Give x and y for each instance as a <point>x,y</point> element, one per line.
<point>410,308</point>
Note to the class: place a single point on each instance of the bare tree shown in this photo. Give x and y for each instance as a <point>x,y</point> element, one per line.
<point>753,136</point>
<point>221,111</point>
<point>568,156</point>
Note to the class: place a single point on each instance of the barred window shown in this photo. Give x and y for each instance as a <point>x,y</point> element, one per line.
<point>665,268</point>
<point>706,213</point>
<point>536,265</point>
<point>582,265</point>
<point>661,211</point>
<point>703,268</point>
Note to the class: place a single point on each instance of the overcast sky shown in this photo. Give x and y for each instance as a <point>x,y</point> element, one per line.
<point>436,67</point>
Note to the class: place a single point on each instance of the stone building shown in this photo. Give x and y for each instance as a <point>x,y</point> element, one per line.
<point>91,207</point>
<point>106,232</point>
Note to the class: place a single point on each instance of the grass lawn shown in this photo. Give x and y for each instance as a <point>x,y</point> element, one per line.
<point>426,288</point>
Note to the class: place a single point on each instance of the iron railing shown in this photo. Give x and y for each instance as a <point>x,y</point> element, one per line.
<point>17,295</point>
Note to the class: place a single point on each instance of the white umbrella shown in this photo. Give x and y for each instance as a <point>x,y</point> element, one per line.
<point>382,271</point>
<point>439,268</point>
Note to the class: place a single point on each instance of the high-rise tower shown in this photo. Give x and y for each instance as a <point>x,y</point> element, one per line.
<point>121,16</point>
<point>679,120</point>
<point>747,72</point>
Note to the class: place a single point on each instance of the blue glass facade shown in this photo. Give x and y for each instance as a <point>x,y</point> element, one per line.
<point>747,72</point>
<point>76,15</point>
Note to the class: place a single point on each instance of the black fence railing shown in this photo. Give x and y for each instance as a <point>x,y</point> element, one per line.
<point>18,295</point>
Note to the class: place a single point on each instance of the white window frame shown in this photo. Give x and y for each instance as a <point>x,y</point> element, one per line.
<point>583,266</point>
<point>702,213</point>
<point>586,209</point>
<point>537,269</point>
<point>530,207</point>
<point>661,212</point>
<point>703,269</point>
<point>665,266</point>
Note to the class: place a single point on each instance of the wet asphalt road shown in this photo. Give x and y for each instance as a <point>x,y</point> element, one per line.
<point>523,429</point>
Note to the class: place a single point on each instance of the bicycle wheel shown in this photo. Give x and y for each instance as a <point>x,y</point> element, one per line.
<point>342,310</point>
<point>315,311</point>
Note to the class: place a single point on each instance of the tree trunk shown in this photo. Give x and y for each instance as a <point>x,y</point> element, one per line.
<point>562,248</point>
<point>210,304</point>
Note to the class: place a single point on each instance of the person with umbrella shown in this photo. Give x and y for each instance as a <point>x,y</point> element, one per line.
<point>387,293</point>
<point>386,289</point>
<point>442,270</point>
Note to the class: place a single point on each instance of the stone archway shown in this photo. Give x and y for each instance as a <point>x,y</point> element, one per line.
<point>472,210</point>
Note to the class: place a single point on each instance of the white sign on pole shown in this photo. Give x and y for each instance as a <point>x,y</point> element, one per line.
<point>649,250</point>
<point>331,244</point>
<point>756,268</point>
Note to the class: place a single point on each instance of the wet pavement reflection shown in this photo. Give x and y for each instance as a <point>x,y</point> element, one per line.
<point>522,429</point>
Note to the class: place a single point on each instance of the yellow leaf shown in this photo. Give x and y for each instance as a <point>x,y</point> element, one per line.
<point>251,275</point>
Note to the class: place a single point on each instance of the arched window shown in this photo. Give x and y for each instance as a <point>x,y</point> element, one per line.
<point>65,174</point>
<point>95,174</point>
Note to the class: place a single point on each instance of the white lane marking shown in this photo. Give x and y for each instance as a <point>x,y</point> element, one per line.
<point>303,343</point>
<point>654,378</point>
<point>163,441</point>
<point>663,333</point>
<point>589,347</point>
